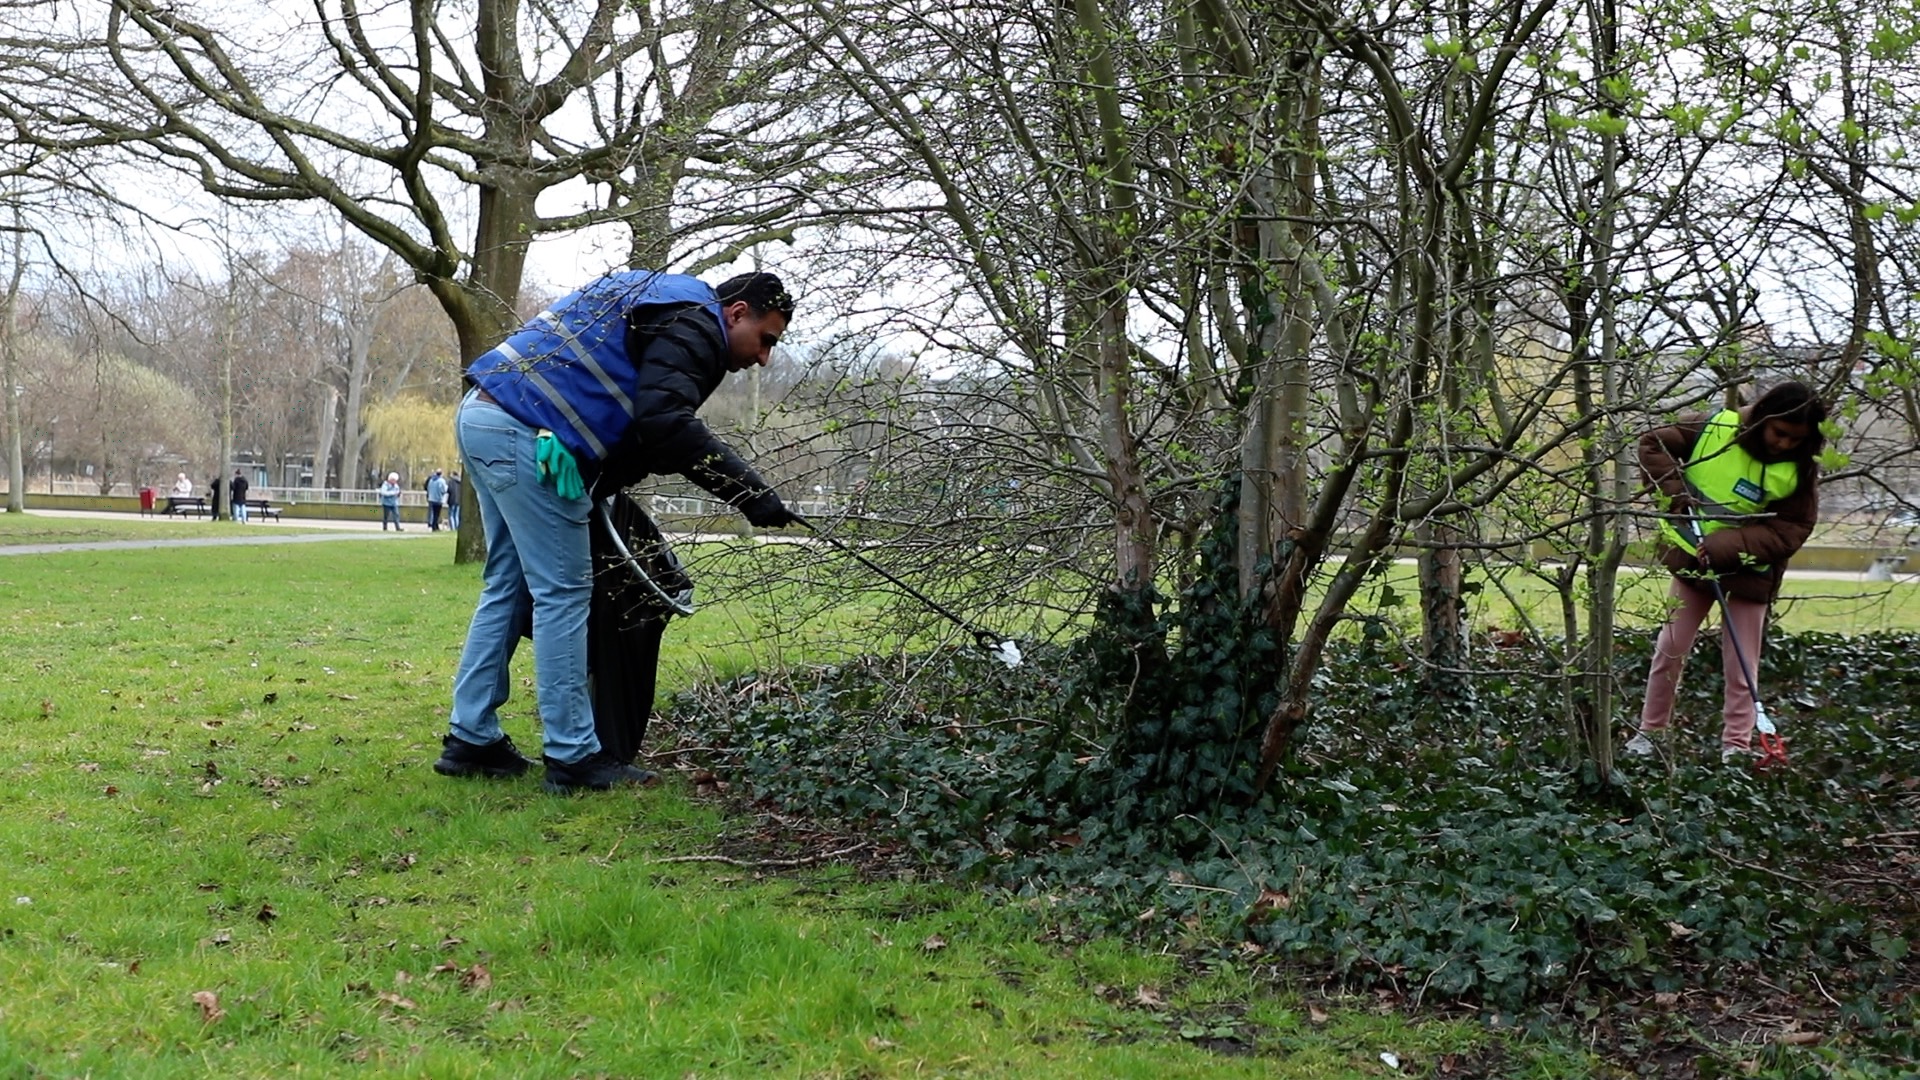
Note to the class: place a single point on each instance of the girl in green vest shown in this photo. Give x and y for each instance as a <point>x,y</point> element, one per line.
<point>1747,480</point>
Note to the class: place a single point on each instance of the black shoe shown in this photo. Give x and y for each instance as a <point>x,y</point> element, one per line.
<point>595,772</point>
<point>496,759</point>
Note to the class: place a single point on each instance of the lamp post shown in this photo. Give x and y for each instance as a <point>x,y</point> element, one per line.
<point>53,428</point>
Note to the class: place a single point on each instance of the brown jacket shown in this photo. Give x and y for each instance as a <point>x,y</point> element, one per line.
<point>1770,540</point>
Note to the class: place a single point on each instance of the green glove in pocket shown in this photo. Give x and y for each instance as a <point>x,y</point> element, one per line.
<point>557,466</point>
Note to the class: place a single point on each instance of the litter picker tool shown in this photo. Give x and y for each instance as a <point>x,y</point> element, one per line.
<point>1004,651</point>
<point>1773,749</point>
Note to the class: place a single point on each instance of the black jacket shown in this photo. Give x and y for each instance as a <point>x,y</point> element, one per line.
<point>679,360</point>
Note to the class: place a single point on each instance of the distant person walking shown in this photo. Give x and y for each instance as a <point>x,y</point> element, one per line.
<point>600,390</point>
<point>237,489</point>
<point>453,501</point>
<point>436,500</point>
<point>1739,491</point>
<point>390,502</point>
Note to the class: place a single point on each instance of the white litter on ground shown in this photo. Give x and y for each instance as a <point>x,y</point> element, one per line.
<point>1007,653</point>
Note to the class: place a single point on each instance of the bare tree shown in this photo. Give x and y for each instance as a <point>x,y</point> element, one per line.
<point>438,134</point>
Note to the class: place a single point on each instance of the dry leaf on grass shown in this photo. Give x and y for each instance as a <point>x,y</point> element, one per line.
<point>209,1003</point>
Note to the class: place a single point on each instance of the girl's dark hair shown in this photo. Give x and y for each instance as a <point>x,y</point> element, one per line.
<point>1794,401</point>
<point>762,292</point>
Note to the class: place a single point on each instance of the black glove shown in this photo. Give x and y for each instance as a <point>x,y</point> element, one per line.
<point>766,511</point>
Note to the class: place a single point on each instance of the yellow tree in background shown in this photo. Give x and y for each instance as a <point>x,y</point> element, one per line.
<point>411,436</point>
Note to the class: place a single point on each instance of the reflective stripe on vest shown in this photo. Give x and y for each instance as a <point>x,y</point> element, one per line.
<point>567,369</point>
<point>1728,485</point>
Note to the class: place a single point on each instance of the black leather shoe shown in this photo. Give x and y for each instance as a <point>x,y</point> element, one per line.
<point>496,759</point>
<point>595,772</point>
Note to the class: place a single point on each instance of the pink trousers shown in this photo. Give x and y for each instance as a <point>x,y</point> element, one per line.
<point>1745,618</point>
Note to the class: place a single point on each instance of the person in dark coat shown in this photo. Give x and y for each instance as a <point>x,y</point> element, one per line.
<point>237,494</point>
<point>596,393</point>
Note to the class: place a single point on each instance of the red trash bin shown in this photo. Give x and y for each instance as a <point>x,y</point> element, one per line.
<point>146,501</point>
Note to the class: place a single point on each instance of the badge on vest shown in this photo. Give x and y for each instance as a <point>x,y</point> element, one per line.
<point>1748,490</point>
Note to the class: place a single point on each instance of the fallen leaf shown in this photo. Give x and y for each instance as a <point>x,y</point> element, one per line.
<point>878,1043</point>
<point>1679,930</point>
<point>476,978</point>
<point>1666,1000</point>
<point>1147,997</point>
<point>266,914</point>
<point>934,943</point>
<point>386,997</point>
<point>88,766</point>
<point>209,1003</point>
<point>1317,1014</point>
<point>221,937</point>
<point>1271,900</point>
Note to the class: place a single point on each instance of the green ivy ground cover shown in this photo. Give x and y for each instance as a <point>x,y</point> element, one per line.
<point>222,853</point>
<point>1440,856</point>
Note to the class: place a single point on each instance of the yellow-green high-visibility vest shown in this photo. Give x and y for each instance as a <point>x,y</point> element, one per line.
<point>1728,484</point>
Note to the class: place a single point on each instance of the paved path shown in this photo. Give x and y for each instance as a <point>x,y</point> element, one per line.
<point>262,533</point>
<point>252,533</point>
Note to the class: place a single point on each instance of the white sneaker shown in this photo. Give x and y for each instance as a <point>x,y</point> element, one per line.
<point>1736,755</point>
<point>1639,746</point>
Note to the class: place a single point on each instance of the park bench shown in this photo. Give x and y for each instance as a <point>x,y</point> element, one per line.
<point>182,505</point>
<point>263,508</point>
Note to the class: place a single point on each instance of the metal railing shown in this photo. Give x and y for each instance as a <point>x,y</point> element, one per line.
<point>658,504</point>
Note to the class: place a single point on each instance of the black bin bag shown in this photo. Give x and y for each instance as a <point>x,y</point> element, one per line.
<point>626,620</point>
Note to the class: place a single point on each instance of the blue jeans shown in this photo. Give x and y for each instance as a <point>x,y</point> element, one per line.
<point>539,562</point>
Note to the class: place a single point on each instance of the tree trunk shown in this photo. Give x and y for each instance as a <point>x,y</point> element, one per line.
<point>329,421</point>
<point>11,388</point>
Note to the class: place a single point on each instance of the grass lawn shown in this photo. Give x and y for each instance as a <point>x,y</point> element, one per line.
<point>222,853</point>
<point>1846,604</point>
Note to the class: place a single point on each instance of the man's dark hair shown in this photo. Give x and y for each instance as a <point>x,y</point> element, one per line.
<point>762,292</point>
<point>1793,401</point>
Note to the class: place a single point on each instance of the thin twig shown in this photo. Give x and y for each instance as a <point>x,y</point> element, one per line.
<point>765,864</point>
<point>1781,874</point>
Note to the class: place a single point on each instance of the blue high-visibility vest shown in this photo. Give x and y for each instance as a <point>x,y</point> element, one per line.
<point>567,370</point>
